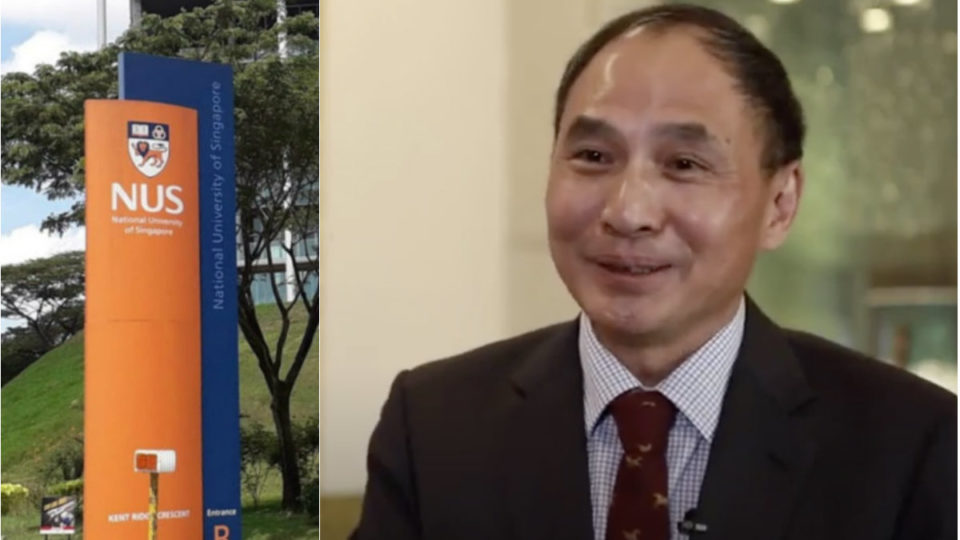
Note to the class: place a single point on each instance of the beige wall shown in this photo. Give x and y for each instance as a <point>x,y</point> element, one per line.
<point>541,36</point>
<point>413,190</point>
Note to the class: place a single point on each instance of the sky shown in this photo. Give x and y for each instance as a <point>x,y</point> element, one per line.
<point>34,32</point>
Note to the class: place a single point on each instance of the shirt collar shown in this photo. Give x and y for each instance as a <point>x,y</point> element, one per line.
<point>696,387</point>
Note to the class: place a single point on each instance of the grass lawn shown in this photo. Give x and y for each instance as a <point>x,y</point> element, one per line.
<point>22,525</point>
<point>40,407</point>
<point>269,522</point>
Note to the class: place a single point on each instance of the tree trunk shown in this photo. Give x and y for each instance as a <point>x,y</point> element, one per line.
<point>289,469</point>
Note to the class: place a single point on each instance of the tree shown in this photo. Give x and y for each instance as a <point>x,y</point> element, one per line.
<point>277,135</point>
<point>47,294</point>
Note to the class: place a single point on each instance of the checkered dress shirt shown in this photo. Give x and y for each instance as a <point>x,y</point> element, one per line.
<point>696,387</point>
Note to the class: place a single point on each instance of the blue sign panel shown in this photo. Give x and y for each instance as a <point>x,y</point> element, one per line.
<point>208,88</point>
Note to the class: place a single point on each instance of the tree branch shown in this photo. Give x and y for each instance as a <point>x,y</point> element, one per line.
<point>306,342</point>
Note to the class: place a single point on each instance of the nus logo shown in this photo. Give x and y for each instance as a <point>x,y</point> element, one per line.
<point>141,197</point>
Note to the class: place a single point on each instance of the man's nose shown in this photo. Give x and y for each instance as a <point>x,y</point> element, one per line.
<point>634,206</point>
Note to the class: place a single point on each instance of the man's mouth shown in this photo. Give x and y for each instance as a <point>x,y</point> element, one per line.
<point>632,269</point>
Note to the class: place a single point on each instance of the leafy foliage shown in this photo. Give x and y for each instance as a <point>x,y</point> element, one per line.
<point>257,446</point>
<point>311,498</point>
<point>70,487</point>
<point>307,438</point>
<point>65,463</point>
<point>13,496</point>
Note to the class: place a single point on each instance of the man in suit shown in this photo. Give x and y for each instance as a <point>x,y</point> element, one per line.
<point>671,407</point>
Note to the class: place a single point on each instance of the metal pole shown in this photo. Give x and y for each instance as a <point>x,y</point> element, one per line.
<point>152,532</point>
<point>136,12</point>
<point>101,23</point>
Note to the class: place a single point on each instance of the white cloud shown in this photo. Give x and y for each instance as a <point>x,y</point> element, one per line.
<point>61,25</point>
<point>75,18</point>
<point>29,242</point>
<point>43,47</point>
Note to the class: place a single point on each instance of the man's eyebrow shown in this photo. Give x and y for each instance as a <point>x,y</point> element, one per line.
<point>584,127</point>
<point>688,132</point>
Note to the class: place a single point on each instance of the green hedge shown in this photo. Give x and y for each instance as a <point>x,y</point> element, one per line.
<point>12,497</point>
<point>70,487</point>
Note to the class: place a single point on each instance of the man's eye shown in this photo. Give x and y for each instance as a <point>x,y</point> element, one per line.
<point>684,165</point>
<point>592,156</point>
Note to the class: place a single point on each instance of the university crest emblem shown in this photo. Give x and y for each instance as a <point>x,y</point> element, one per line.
<point>148,144</point>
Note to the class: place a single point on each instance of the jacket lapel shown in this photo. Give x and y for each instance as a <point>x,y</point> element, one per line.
<point>762,449</point>
<point>547,486</point>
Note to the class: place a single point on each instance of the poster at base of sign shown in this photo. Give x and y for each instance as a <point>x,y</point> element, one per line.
<point>142,326</point>
<point>58,515</point>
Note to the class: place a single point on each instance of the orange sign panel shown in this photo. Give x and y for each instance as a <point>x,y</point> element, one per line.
<point>142,330</point>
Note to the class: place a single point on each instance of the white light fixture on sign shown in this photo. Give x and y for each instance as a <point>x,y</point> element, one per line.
<point>155,461</point>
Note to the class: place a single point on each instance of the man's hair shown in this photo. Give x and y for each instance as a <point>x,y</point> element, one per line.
<point>760,75</point>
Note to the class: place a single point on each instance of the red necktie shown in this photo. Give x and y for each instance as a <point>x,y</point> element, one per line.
<point>639,509</point>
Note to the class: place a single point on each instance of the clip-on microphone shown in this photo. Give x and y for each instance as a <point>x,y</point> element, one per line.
<point>690,526</point>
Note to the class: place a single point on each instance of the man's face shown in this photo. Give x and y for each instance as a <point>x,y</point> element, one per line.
<point>657,203</point>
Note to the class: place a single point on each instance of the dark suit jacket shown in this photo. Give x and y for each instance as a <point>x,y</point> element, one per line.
<point>815,442</point>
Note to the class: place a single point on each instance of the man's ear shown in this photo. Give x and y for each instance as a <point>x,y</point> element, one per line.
<point>786,186</point>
